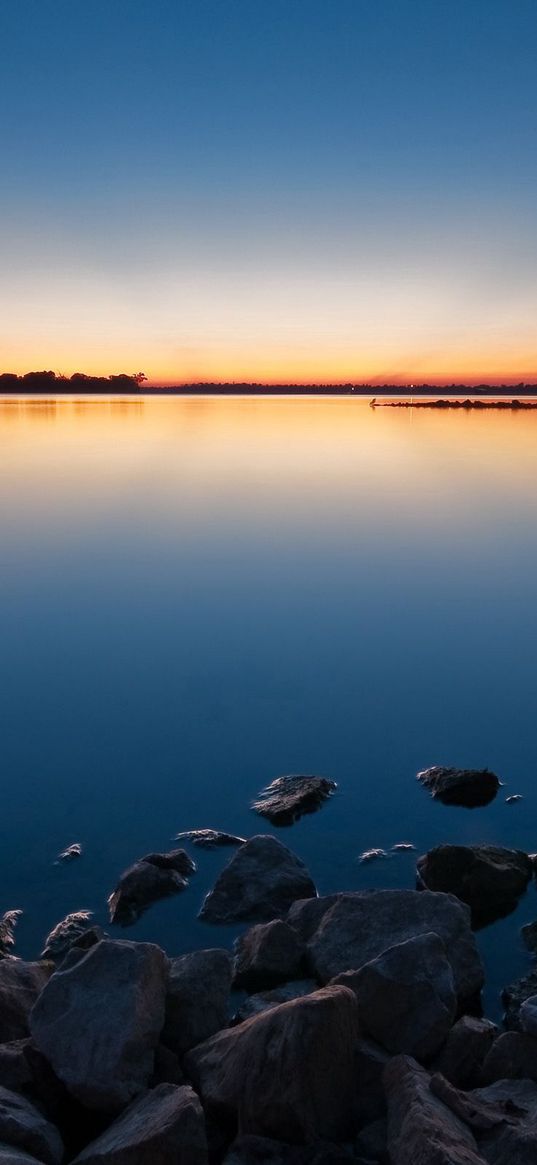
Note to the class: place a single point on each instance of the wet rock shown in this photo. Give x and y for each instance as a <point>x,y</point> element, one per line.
<point>489,878</point>
<point>99,1018</point>
<point>529,936</point>
<point>266,955</point>
<point>403,847</point>
<point>288,1073</point>
<point>421,1129</point>
<point>209,838</point>
<point>369,1063</point>
<point>468,787</point>
<point>68,855</point>
<point>24,1127</point>
<point>259,883</point>
<point>513,798</point>
<point>372,855</point>
<point>20,985</point>
<point>344,931</point>
<point>74,930</point>
<point>153,877</point>
<point>164,1127</point>
<point>406,996</point>
<point>513,997</point>
<point>513,1056</point>
<point>288,798</point>
<point>465,1050</point>
<point>197,998</point>
<point>264,1000</point>
<point>8,922</point>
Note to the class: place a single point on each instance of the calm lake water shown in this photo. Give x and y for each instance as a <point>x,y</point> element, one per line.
<point>198,595</point>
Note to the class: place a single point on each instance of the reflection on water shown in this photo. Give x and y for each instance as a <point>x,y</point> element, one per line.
<point>200,594</point>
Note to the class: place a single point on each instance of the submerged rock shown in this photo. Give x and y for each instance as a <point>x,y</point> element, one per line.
<point>259,883</point>
<point>68,855</point>
<point>23,1126</point>
<point>468,787</point>
<point>489,878</point>
<point>371,855</point>
<point>153,877</point>
<point>164,1127</point>
<point>74,930</point>
<point>209,838</point>
<point>288,798</point>
<point>20,985</point>
<point>266,955</point>
<point>513,798</point>
<point>197,998</point>
<point>8,922</point>
<point>403,847</point>
<point>99,1018</point>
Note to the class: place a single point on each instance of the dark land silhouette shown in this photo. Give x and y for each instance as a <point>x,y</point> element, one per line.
<point>49,383</point>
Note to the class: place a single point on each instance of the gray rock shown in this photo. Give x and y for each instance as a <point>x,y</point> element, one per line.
<point>513,1056</point>
<point>11,1156</point>
<point>70,853</point>
<point>266,955</point>
<point>74,930</point>
<point>406,996</point>
<point>489,878</point>
<point>197,998</point>
<point>462,1057</point>
<point>468,787</point>
<point>8,922</point>
<point>528,1016</point>
<point>163,1127</point>
<point>513,997</point>
<point>20,985</point>
<point>259,883</point>
<point>153,877</point>
<point>209,838</point>
<point>24,1127</point>
<point>347,930</point>
<point>288,798</point>
<point>421,1129</point>
<point>263,1001</point>
<point>99,1019</point>
<point>288,1073</point>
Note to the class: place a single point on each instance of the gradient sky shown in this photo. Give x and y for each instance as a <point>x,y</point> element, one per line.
<point>282,190</point>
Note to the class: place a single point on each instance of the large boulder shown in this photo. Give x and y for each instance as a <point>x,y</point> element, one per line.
<point>406,996</point>
<point>20,985</point>
<point>288,1073</point>
<point>513,1056</point>
<point>24,1127</point>
<point>344,931</point>
<point>468,787</point>
<point>163,1127</point>
<point>489,878</point>
<point>288,798</point>
<point>153,877</point>
<point>264,1000</point>
<point>99,1019</point>
<point>267,954</point>
<point>75,929</point>
<point>197,998</point>
<point>421,1129</point>
<point>462,1057</point>
<point>259,883</point>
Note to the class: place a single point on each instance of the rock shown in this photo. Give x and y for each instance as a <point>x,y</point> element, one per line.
<point>513,1056</point>
<point>209,838</point>
<point>20,985</point>
<point>370,1100</point>
<point>11,1156</point>
<point>164,1127</point>
<point>266,955</point>
<point>74,930</point>
<point>24,1127</point>
<point>513,798</point>
<point>489,878</point>
<point>468,787</point>
<point>252,1150</point>
<point>197,998</point>
<point>512,1138</point>
<point>167,1068</point>
<point>371,855</point>
<point>513,997</point>
<point>371,1142</point>
<point>288,1073</point>
<point>463,1055</point>
<point>528,1016</point>
<point>406,996</point>
<point>403,847</point>
<point>259,883</point>
<point>8,922</point>
<point>344,931</point>
<point>529,936</point>
<point>421,1129</point>
<point>72,851</point>
<point>99,1018</point>
<point>152,877</point>
<point>288,798</point>
<point>15,1071</point>
<point>263,1001</point>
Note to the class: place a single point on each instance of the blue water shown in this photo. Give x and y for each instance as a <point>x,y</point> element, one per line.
<point>198,595</point>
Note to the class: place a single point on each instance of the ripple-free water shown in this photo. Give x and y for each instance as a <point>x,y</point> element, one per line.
<point>200,594</point>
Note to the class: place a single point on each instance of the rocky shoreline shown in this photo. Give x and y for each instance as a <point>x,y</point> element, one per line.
<point>338,1028</point>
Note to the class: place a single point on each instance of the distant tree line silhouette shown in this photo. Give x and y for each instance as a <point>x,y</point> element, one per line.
<point>78,382</point>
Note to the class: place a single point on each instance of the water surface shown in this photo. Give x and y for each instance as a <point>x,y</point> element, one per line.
<point>198,595</point>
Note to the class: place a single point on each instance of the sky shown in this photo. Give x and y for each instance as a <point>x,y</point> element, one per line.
<point>299,190</point>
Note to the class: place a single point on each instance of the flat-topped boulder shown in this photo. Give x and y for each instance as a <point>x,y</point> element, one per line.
<point>20,985</point>
<point>197,998</point>
<point>164,1127</point>
<point>468,787</point>
<point>489,878</point>
<point>288,798</point>
<point>99,1018</point>
<point>153,877</point>
<point>288,1073</point>
<point>344,931</point>
<point>259,883</point>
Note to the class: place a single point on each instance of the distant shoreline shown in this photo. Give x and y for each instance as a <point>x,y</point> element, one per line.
<point>419,394</point>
